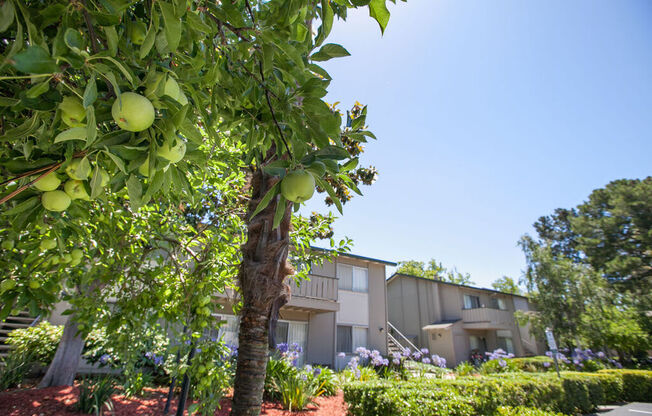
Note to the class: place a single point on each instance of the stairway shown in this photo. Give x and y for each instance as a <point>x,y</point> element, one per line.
<point>396,341</point>
<point>22,320</point>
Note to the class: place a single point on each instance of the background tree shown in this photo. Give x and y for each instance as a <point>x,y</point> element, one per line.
<point>507,284</point>
<point>607,241</point>
<point>434,270</point>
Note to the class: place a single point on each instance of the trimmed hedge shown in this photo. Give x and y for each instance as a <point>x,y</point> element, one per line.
<point>524,411</point>
<point>574,393</point>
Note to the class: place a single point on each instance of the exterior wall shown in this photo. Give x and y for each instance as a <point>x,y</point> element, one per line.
<point>416,302</point>
<point>321,339</point>
<point>354,308</point>
<point>377,336</point>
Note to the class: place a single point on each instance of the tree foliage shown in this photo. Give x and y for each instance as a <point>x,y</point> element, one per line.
<point>434,271</point>
<point>506,284</point>
<point>594,261</point>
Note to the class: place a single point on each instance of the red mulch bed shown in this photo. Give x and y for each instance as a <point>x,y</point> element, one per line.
<point>60,401</point>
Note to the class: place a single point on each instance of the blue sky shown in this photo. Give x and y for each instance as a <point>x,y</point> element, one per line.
<point>488,115</point>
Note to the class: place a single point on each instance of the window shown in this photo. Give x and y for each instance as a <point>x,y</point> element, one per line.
<point>293,333</point>
<point>353,278</point>
<point>504,340</point>
<point>477,344</point>
<point>502,305</point>
<point>229,330</point>
<point>350,337</point>
<point>471,302</point>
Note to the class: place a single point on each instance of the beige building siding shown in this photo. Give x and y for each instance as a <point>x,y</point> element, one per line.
<point>415,303</point>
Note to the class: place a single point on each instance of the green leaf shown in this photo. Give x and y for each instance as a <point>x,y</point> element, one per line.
<point>266,199</point>
<point>7,14</point>
<point>38,89</point>
<point>135,191</point>
<point>96,183</point>
<point>111,39</point>
<point>332,152</point>
<point>327,16</point>
<point>350,165</point>
<point>91,127</point>
<point>90,93</point>
<point>331,192</point>
<point>23,206</point>
<point>35,60</point>
<point>378,10</point>
<point>328,51</point>
<point>172,26</point>
<point>118,162</point>
<point>75,133</point>
<point>150,38</point>
<point>73,40</point>
<point>280,211</point>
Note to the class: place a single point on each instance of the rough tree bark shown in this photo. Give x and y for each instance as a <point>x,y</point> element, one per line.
<point>262,275</point>
<point>280,301</point>
<point>63,368</point>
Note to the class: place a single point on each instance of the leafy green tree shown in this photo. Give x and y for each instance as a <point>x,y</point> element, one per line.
<point>507,284</point>
<point>132,98</point>
<point>434,270</point>
<point>606,240</point>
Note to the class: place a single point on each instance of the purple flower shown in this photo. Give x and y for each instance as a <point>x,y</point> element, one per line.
<point>546,364</point>
<point>282,348</point>
<point>426,360</point>
<point>502,363</point>
<point>549,353</point>
<point>406,352</point>
<point>576,361</point>
<point>619,365</point>
<point>304,377</point>
<point>601,354</point>
<point>307,367</point>
<point>316,372</point>
<point>396,356</point>
<point>104,358</point>
<point>416,355</point>
<point>341,355</point>
<point>425,351</point>
<point>396,361</point>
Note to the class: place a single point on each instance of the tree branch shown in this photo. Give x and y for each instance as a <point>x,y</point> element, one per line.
<point>271,109</point>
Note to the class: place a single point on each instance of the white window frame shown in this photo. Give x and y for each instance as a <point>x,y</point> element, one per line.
<point>470,303</point>
<point>356,342</point>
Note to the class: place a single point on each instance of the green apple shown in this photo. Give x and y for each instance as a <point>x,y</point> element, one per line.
<point>55,201</point>
<point>75,262</point>
<point>72,111</point>
<point>298,186</point>
<point>173,154</point>
<point>77,254</point>
<point>77,170</point>
<point>7,284</point>
<point>49,182</point>
<point>133,112</point>
<point>48,244</point>
<point>33,284</point>
<point>75,190</point>
<point>173,91</point>
<point>137,33</point>
<point>67,258</point>
<point>8,244</point>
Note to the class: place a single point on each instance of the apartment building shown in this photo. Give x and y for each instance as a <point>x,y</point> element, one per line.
<point>343,306</point>
<point>454,320</point>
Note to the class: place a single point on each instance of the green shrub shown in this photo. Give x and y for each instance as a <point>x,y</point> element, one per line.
<point>277,370</point>
<point>327,379</point>
<point>636,384</point>
<point>575,392</point>
<point>524,411</point>
<point>95,395</point>
<point>298,391</point>
<point>39,341</point>
<point>465,369</point>
<point>14,368</point>
<point>498,366</point>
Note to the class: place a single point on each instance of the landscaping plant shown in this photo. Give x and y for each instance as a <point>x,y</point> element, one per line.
<point>95,395</point>
<point>14,367</point>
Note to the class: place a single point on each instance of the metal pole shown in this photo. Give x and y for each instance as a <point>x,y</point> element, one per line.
<point>185,386</point>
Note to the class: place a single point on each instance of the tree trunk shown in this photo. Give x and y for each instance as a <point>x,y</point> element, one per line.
<point>262,275</point>
<point>280,301</point>
<point>63,369</point>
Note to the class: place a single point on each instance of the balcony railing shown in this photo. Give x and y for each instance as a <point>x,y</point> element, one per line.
<point>487,316</point>
<point>318,287</point>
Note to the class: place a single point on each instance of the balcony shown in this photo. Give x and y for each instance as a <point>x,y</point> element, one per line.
<point>487,318</point>
<point>317,294</point>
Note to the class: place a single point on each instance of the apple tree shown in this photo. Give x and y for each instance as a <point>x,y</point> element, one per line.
<point>130,97</point>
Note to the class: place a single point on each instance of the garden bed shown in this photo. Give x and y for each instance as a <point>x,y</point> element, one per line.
<point>60,401</point>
